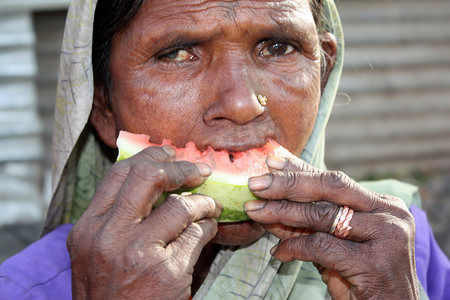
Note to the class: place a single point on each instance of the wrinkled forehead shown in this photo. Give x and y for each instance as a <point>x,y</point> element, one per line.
<point>228,9</point>
<point>247,14</point>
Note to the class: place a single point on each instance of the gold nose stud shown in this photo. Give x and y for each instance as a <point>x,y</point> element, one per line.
<point>262,100</point>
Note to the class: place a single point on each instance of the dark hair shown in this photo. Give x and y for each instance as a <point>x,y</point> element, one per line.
<point>112,15</point>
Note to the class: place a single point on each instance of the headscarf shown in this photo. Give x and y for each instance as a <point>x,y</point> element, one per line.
<point>80,163</point>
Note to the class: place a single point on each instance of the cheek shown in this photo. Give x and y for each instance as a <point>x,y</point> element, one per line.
<point>160,109</point>
<point>294,107</point>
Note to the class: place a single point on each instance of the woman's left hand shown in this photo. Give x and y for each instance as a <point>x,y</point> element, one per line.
<point>376,260</point>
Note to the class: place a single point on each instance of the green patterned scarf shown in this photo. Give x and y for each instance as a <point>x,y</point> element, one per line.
<point>80,163</point>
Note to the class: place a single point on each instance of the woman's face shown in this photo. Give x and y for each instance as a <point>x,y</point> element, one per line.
<point>191,70</point>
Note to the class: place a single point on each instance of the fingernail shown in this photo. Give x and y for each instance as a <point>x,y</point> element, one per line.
<point>253,205</point>
<point>274,248</point>
<point>276,162</point>
<point>169,150</point>
<point>204,170</point>
<point>260,183</point>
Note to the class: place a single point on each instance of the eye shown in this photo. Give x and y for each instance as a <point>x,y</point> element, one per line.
<point>277,49</point>
<point>177,55</point>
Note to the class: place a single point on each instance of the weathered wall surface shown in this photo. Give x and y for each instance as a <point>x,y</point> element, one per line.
<point>392,116</point>
<point>393,111</point>
<point>20,125</point>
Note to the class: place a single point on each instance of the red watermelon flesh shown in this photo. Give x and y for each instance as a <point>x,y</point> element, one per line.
<point>228,182</point>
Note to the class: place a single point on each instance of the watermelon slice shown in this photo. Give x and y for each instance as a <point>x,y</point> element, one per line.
<point>228,182</point>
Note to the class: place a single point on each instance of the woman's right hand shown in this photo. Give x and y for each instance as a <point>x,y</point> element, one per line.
<point>122,247</point>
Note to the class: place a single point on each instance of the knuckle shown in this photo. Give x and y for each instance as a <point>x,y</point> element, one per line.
<point>154,153</point>
<point>400,232</point>
<point>322,212</point>
<point>149,172</point>
<point>183,170</point>
<point>365,288</point>
<point>77,241</point>
<point>133,255</point>
<point>210,228</point>
<point>292,244</point>
<point>291,182</point>
<point>335,180</point>
<point>179,173</point>
<point>323,246</point>
<point>195,230</point>
<point>203,229</point>
<point>205,202</point>
<point>407,217</point>
<point>406,232</point>
<point>181,205</point>
<point>102,246</point>
<point>120,169</point>
<point>72,239</point>
<point>284,208</point>
<point>385,202</point>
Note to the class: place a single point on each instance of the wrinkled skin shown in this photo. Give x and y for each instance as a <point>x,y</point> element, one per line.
<point>191,71</point>
<point>376,261</point>
<point>129,255</point>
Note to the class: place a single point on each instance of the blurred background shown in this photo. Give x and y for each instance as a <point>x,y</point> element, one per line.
<point>391,117</point>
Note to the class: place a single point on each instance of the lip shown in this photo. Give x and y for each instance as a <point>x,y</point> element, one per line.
<point>236,146</point>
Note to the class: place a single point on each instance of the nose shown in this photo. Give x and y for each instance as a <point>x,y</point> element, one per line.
<point>235,97</point>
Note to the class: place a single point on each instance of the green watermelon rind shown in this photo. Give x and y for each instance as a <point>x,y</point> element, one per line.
<point>127,150</point>
<point>231,196</point>
<point>233,210</point>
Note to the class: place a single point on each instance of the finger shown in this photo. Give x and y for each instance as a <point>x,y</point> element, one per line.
<point>284,232</point>
<point>156,153</point>
<point>185,174</point>
<point>318,216</point>
<point>111,184</point>
<point>176,213</point>
<point>289,164</point>
<point>188,246</point>
<point>332,186</point>
<point>338,287</point>
<point>320,248</point>
<point>148,180</point>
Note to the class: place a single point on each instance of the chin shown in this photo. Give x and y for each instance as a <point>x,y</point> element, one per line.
<point>238,233</point>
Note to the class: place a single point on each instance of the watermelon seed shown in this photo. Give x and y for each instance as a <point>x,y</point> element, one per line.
<point>230,155</point>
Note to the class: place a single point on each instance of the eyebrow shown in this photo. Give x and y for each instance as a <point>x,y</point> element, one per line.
<point>184,37</point>
<point>289,29</point>
<point>286,33</point>
<point>174,36</point>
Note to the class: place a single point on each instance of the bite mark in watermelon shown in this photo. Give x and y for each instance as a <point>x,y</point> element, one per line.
<point>228,182</point>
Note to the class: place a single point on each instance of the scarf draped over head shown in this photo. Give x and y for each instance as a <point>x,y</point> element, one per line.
<point>80,163</point>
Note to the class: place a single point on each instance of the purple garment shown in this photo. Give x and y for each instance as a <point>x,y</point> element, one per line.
<point>42,271</point>
<point>433,266</point>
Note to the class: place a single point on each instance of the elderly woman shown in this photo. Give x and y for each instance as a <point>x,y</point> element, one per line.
<point>192,71</point>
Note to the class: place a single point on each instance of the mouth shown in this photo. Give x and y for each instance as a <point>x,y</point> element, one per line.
<point>238,145</point>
